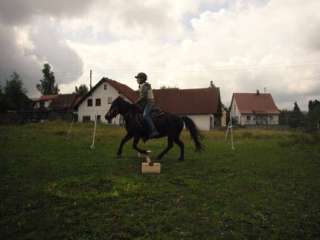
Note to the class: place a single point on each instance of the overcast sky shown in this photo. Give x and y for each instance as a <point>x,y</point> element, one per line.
<point>240,45</point>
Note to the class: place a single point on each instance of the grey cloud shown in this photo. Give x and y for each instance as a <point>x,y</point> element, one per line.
<point>14,12</point>
<point>48,48</point>
<point>138,14</point>
<point>48,45</point>
<point>15,59</point>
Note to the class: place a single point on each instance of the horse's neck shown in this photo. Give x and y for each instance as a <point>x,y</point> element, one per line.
<point>129,110</point>
<point>126,108</point>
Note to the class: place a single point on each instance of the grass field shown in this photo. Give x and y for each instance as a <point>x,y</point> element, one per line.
<point>53,188</point>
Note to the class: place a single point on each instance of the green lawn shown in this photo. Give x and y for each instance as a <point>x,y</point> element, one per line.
<point>53,188</point>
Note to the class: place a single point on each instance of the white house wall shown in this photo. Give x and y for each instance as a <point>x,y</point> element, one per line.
<point>202,121</point>
<point>100,92</point>
<point>224,118</point>
<point>235,113</point>
<point>271,119</point>
<point>46,104</point>
<point>244,119</point>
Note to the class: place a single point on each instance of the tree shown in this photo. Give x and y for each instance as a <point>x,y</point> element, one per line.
<point>168,87</point>
<point>47,84</point>
<point>313,119</point>
<point>313,105</point>
<point>15,95</point>
<point>2,101</point>
<point>296,119</point>
<point>81,90</point>
<point>284,117</point>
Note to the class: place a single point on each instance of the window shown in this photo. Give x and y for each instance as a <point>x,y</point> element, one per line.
<point>86,119</point>
<point>105,86</point>
<point>248,118</point>
<point>89,102</point>
<point>109,100</point>
<point>271,118</point>
<point>98,101</point>
<point>98,118</point>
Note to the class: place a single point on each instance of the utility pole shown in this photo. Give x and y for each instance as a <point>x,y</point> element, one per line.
<point>90,79</point>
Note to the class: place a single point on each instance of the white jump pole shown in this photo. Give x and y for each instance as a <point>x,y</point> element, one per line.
<point>230,129</point>
<point>94,132</point>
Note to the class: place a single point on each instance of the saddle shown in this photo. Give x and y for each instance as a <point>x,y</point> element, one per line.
<point>155,113</point>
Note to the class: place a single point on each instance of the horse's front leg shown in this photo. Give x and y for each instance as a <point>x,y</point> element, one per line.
<point>135,146</point>
<point>123,141</point>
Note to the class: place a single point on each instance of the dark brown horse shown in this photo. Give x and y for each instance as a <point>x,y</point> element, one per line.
<point>167,124</point>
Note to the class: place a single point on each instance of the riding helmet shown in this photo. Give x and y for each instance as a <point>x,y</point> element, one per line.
<point>142,76</point>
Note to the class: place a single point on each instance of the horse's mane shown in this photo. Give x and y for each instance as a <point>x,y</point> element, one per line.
<point>132,107</point>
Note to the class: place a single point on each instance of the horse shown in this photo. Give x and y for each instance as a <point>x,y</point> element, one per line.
<point>168,125</point>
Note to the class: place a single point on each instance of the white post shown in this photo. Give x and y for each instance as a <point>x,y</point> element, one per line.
<point>230,129</point>
<point>94,132</point>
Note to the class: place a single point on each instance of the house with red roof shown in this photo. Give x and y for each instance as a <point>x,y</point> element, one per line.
<point>44,101</point>
<point>96,103</point>
<point>203,105</point>
<point>55,106</point>
<point>254,109</point>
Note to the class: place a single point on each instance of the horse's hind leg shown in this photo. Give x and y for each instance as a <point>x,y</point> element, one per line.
<point>135,146</point>
<point>169,146</point>
<point>123,141</point>
<point>181,145</point>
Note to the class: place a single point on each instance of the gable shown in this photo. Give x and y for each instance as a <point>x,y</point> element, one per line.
<point>119,89</point>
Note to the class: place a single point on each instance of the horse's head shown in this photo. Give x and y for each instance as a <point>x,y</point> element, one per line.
<point>115,109</point>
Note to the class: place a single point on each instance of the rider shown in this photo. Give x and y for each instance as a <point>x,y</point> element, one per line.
<point>146,101</point>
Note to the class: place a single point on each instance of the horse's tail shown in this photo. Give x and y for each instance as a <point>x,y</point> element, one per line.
<point>194,132</point>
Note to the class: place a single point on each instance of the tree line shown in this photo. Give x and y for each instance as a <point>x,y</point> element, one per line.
<point>297,119</point>
<point>13,96</point>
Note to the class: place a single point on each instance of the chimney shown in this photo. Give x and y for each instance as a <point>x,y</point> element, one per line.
<point>258,92</point>
<point>90,79</point>
<point>211,84</point>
